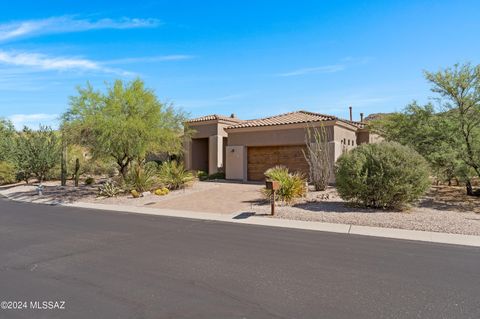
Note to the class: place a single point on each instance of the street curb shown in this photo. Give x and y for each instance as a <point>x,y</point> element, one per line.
<point>395,233</point>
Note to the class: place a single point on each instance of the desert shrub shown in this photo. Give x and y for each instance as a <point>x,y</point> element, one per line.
<point>161,191</point>
<point>384,175</point>
<point>317,155</point>
<point>202,175</point>
<point>292,185</point>
<point>7,173</point>
<point>109,189</point>
<point>134,193</point>
<point>218,175</point>
<point>89,181</point>
<point>173,175</point>
<point>141,178</point>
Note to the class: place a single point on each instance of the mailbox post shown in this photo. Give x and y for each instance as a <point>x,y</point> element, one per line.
<point>273,186</point>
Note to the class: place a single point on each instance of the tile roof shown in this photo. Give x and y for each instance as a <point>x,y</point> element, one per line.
<point>286,118</point>
<point>355,123</point>
<point>214,117</point>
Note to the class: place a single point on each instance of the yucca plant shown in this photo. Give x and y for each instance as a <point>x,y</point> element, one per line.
<point>292,185</point>
<point>173,175</point>
<point>141,178</point>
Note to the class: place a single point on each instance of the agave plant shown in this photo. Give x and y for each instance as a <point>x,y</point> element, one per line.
<point>109,189</point>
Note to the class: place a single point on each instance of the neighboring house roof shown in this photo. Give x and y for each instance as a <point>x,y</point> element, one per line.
<point>355,123</point>
<point>214,117</point>
<point>292,118</point>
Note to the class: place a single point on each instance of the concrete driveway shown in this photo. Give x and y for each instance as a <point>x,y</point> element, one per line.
<point>222,197</point>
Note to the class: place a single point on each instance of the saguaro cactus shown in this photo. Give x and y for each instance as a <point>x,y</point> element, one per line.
<point>77,170</point>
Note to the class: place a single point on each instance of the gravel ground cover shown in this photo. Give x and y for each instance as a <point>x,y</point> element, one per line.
<point>53,192</point>
<point>442,210</point>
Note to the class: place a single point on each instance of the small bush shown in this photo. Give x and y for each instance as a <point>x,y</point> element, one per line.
<point>89,181</point>
<point>202,175</point>
<point>161,191</point>
<point>384,175</point>
<point>140,178</point>
<point>218,175</point>
<point>174,176</point>
<point>292,185</point>
<point>109,189</point>
<point>151,166</point>
<point>134,193</point>
<point>7,173</point>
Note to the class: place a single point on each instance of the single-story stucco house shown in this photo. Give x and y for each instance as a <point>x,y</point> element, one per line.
<point>245,149</point>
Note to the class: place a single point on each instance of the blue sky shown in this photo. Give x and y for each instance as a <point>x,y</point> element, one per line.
<point>251,58</point>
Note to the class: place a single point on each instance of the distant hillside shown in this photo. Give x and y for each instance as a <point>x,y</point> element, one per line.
<point>375,116</point>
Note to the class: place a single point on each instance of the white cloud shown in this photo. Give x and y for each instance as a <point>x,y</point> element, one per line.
<point>67,24</point>
<point>34,120</point>
<point>320,69</point>
<point>43,62</point>
<point>343,64</point>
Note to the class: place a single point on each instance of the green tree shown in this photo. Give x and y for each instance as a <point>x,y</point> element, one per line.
<point>428,132</point>
<point>7,140</point>
<point>37,152</point>
<point>126,123</point>
<point>459,90</point>
<point>448,136</point>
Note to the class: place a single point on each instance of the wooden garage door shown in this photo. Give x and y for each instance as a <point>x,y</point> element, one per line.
<point>261,158</point>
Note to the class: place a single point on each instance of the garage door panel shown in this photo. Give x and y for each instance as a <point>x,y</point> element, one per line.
<point>261,158</point>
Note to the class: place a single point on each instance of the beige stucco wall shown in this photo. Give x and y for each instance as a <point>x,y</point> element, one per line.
<point>236,158</point>
<point>273,136</point>
<point>213,132</point>
<point>270,137</point>
<point>233,158</point>
<point>215,154</point>
<point>208,128</point>
<point>345,139</point>
<point>367,137</point>
<point>375,138</point>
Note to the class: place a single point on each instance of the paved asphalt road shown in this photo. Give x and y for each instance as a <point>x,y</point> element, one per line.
<point>115,265</point>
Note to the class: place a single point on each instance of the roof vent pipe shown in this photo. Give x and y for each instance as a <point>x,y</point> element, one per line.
<point>351,117</point>
<point>361,117</point>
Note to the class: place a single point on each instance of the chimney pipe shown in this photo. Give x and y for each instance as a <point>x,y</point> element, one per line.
<point>361,117</point>
<point>351,117</point>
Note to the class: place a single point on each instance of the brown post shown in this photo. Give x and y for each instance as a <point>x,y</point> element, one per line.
<point>273,186</point>
<point>361,117</point>
<point>272,203</point>
<point>351,116</point>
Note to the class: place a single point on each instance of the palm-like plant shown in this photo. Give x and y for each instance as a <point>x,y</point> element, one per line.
<point>292,185</point>
<point>140,178</point>
<point>173,175</point>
